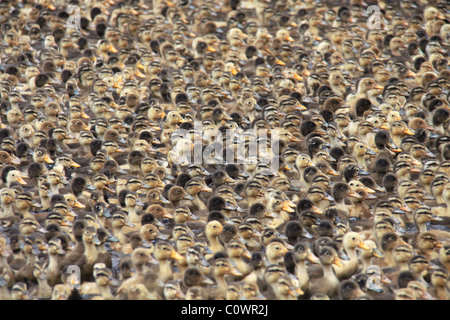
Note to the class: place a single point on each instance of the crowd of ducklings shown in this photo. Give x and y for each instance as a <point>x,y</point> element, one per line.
<point>102,100</point>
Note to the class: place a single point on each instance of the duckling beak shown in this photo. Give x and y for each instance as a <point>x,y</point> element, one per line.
<point>378,87</point>
<point>354,195</point>
<point>21,181</point>
<point>436,218</point>
<point>111,238</point>
<point>41,230</point>
<point>377,253</point>
<point>14,160</point>
<point>338,262</point>
<point>278,61</point>
<point>47,159</point>
<point>72,214</point>
<point>167,215</point>
<point>175,255</point>
<point>66,223</point>
<point>289,38</point>
<point>328,197</point>
<point>73,164</point>
<point>229,180</point>
<point>410,74</point>
<point>206,189</point>
<point>78,205</point>
<point>408,132</point>
<point>414,170</point>
<point>112,49</point>
<point>128,223</point>
<point>164,200</point>
<point>395,149</point>
<point>363,245</point>
<point>312,258</point>
<point>363,173</point>
<point>234,71</point>
<point>287,207</point>
<point>297,77</point>
<point>139,74</point>
<point>235,272</point>
<point>96,241</point>
<point>332,172</point>
<point>317,210</point>
<point>109,189</point>
<point>369,190</point>
<point>140,66</point>
<point>188,197</point>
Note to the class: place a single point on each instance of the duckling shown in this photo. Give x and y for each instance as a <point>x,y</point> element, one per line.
<point>177,194</point>
<point>194,187</point>
<point>140,257</point>
<point>341,191</point>
<point>162,252</point>
<point>221,268</point>
<point>32,249</point>
<point>275,250</point>
<point>350,242</point>
<point>213,229</point>
<point>296,263</point>
<point>428,245</point>
<point>7,198</point>
<point>239,255</point>
<point>328,283</point>
<point>118,221</point>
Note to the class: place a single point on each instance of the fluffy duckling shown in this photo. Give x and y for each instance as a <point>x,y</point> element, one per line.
<point>329,283</point>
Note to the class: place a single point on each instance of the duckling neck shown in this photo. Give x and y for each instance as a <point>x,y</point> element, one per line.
<point>53,265</point>
<point>441,293</point>
<point>165,271</point>
<point>117,231</point>
<point>55,188</point>
<point>388,258</point>
<point>105,292</point>
<point>26,214</point>
<point>422,227</point>
<point>351,253</point>
<point>45,203</point>
<point>214,243</point>
<point>4,293</point>
<point>221,284</point>
<point>241,265</point>
<point>133,215</point>
<point>329,274</point>
<point>8,211</point>
<point>44,289</point>
<point>366,263</point>
<point>402,266</point>
<point>302,274</point>
<point>90,252</point>
<point>198,202</point>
